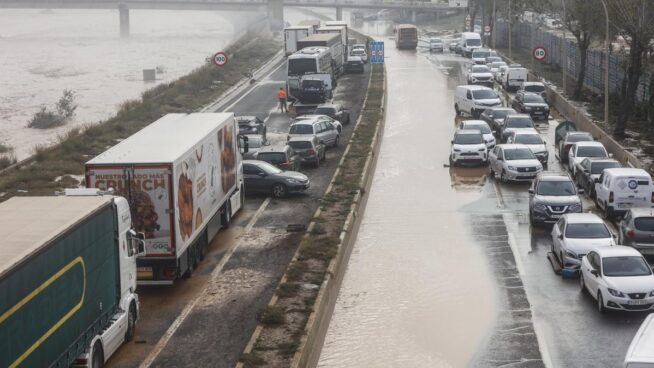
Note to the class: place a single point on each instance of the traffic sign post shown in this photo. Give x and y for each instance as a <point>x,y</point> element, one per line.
<point>220,59</point>
<point>487,31</point>
<point>377,52</point>
<point>539,53</point>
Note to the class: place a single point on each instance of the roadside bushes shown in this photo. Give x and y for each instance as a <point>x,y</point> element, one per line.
<point>63,111</point>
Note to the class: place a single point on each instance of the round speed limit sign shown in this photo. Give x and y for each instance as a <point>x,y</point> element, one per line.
<point>540,53</point>
<point>220,58</point>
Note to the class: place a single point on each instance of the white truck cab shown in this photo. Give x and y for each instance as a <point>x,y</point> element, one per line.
<point>620,189</point>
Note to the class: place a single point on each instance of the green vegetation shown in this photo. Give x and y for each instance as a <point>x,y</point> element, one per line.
<point>272,316</point>
<point>186,94</point>
<point>64,110</point>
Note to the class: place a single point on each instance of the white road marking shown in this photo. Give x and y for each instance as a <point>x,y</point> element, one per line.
<point>163,341</point>
<point>250,91</point>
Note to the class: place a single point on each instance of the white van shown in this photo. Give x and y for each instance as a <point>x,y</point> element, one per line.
<point>514,77</point>
<point>641,351</point>
<point>469,42</point>
<point>473,100</point>
<point>620,189</point>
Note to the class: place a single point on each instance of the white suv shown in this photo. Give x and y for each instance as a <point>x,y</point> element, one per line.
<point>513,162</point>
<point>468,147</point>
<point>483,127</point>
<point>480,74</point>
<point>473,100</point>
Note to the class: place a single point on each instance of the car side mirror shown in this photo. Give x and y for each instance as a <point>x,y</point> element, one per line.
<point>494,131</point>
<point>610,155</point>
<point>586,171</point>
<point>597,181</point>
<point>262,174</point>
<point>452,142</point>
<point>531,191</point>
<point>500,159</point>
<point>560,236</point>
<point>595,273</point>
<point>545,143</point>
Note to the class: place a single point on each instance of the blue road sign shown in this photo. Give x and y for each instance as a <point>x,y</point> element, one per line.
<point>377,52</point>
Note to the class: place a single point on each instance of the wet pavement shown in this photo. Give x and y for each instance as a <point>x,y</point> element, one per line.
<point>446,270</point>
<point>245,261</point>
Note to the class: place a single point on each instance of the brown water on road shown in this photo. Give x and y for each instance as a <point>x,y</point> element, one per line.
<point>417,291</point>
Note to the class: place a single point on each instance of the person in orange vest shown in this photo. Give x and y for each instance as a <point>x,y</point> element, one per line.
<point>281,94</point>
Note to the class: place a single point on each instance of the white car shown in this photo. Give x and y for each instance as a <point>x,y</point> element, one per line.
<point>495,67</point>
<point>360,53</point>
<point>436,44</point>
<point>358,46</point>
<point>468,147</point>
<point>532,139</point>
<point>619,278</point>
<point>513,162</point>
<point>480,74</point>
<point>499,74</point>
<point>581,150</point>
<point>481,126</point>
<point>334,122</point>
<point>576,234</point>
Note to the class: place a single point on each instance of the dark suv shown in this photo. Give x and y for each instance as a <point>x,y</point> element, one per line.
<point>283,157</point>
<point>532,104</point>
<point>551,196</point>
<point>334,111</point>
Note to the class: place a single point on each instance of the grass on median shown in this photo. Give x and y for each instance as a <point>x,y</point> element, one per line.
<point>186,94</point>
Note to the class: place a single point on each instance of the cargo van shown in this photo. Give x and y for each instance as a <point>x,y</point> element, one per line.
<point>620,189</point>
<point>469,42</point>
<point>514,77</point>
<point>473,100</point>
<point>641,350</point>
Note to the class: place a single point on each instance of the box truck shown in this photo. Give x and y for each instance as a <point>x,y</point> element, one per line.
<point>292,35</point>
<point>67,279</point>
<point>313,23</point>
<point>342,31</point>
<point>330,40</point>
<point>183,178</point>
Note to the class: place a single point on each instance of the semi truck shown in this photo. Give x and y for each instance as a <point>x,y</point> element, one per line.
<point>183,178</point>
<point>292,35</point>
<point>342,31</point>
<point>67,279</point>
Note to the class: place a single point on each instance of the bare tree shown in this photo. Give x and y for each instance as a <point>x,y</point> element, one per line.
<point>632,18</point>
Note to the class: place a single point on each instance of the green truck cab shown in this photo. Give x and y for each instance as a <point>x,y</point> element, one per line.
<point>67,279</point>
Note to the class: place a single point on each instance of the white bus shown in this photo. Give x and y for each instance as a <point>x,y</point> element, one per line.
<point>310,60</point>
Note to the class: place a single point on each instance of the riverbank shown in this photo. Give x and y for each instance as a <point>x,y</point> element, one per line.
<point>62,165</point>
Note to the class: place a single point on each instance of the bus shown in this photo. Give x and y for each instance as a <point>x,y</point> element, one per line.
<point>406,36</point>
<point>309,60</point>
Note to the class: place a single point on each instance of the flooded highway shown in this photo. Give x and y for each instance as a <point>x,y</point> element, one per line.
<point>446,270</point>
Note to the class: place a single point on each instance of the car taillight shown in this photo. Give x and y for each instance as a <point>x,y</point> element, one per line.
<point>611,197</point>
<point>169,272</point>
<point>630,233</point>
<point>311,151</point>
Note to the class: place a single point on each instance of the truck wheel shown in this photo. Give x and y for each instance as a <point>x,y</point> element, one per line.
<point>97,359</point>
<point>131,323</point>
<point>279,190</point>
<point>226,217</point>
<point>456,109</point>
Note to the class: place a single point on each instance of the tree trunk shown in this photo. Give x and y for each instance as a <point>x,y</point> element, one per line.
<point>633,78</point>
<point>583,44</point>
<point>473,15</point>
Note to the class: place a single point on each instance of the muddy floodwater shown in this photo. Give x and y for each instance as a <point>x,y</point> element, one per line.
<point>417,291</point>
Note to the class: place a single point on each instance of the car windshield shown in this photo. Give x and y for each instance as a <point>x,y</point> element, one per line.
<point>598,167</point>
<point>479,54</point>
<point>480,69</point>
<point>483,128</point>
<point>518,154</point>
<point>556,188</point>
<point>473,42</point>
<point>268,168</point>
<point>644,223</point>
<point>519,122</point>
<point>468,139</point>
<point>579,138</point>
<point>535,88</point>
<point>501,114</point>
<point>330,111</point>
<point>528,139</point>
<point>274,157</point>
<point>587,231</point>
<point>493,59</point>
<point>358,52</point>
<point>301,129</point>
<point>436,40</point>
<point>625,266</point>
<point>254,142</point>
<point>533,99</point>
<point>298,145</point>
<point>592,151</point>
<point>484,94</point>
<point>497,64</point>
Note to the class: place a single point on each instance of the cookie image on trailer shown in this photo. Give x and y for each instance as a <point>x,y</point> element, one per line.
<point>185,202</point>
<point>227,157</point>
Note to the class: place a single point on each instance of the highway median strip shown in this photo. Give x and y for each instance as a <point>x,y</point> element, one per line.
<point>292,326</point>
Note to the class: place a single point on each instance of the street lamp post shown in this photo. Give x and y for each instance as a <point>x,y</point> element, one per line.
<point>607,42</point>
<point>510,31</point>
<point>494,23</point>
<point>564,52</point>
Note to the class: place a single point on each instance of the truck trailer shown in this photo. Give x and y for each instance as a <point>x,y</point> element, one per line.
<point>333,42</point>
<point>67,279</point>
<point>292,35</point>
<point>183,178</point>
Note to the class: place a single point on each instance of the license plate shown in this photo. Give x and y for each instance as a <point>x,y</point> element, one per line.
<point>144,273</point>
<point>637,302</point>
<point>555,216</point>
<point>624,205</point>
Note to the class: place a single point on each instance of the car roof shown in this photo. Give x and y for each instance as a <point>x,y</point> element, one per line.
<point>474,122</point>
<point>474,87</point>
<point>245,118</point>
<point>513,146</point>
<point>468,131</point>
<point>589,144</point>
<point>627,171</point>
<point>533,84</point>
<point>554,176</point>
<point>502,109</point>
<point>601,159</point>
<point>526,93</point>
<point>583,218</point>
<point>616,251</point>
<point>578,133</point>
<point>330,105</point>
<point>354,58</point>
<point>529,131</point>
<point>273,149</point>
<point>519,116</point>
<point>302,138</point>
<point>642,211</point>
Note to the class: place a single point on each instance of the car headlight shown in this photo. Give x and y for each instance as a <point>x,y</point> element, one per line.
<point>576,207</point>
<point>571,254</point>
<point>527,107</point>
<point>512,168</point>
<point>456,150</point>
<point>651,293</point>
<point>293,181</point>
<point>540,207</point>
<point>482,150</point>
<point>616,293</point>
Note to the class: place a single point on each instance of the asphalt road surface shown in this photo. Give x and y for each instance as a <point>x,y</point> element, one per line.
<point>206,320</point>
<point>446,270</point>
